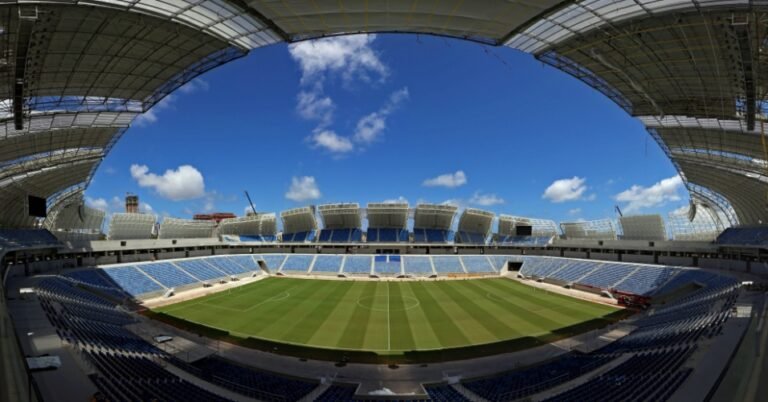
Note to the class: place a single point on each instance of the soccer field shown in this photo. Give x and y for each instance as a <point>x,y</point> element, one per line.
<point>387,317</point>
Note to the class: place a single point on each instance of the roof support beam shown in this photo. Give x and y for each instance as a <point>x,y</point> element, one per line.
<point>27,19</point>
<point>745,53</point>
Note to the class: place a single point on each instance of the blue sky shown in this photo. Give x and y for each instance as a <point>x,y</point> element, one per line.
<point>373,118</point>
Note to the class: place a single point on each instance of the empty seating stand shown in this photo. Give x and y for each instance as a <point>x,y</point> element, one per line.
<point>432,236</point>
<point>447,265</point>
<point>168,274</point>
<point>745,235</point>
<point>327,264</point>
<point>133,281</point>
<point>297,263</point>
<point>418,266</point>
<point>357,265</point>
<point>387,265</point>
<point>387,235</point>
<point>471,238</point>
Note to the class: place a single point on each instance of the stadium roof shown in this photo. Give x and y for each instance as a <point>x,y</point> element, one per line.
<point>700,61</point>
<point>539,227</point>
<point>341,216</point>
<point>434,216</point>
<point>476,221</point>
<point>387,215</point>
<point>299,219</point>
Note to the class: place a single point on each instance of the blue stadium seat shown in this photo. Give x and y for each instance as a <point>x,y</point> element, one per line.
<point>447,265</point>
<point>168,274</point>
<point>357,265</point>
<point>327,264</point>
<point>298,263</point>
<point>133,281</point>
<point>419,266</point>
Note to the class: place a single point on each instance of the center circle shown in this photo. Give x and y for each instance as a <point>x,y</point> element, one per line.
<point>383,304</point>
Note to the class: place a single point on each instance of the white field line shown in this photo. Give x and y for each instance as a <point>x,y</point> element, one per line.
<point>389,327</point>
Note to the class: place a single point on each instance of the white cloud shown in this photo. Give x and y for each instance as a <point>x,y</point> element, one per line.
<point>370,127</point>
<point>352,56</point>
<point>683,210</point>
<point>563,190</point>
<point>574,211</point>
<point>193,86</point>
<point>98,203</point>
<point>398,200</point>
<point>314,105</point>
<point>302,189</point>
<point>638,197</point>
<point>248,210</point>
<point>450,180</point>
<point>145,208</point>
<point>485,200</point>
<point>183,183</point>
<point>331,141</point>
<point>150,116</point>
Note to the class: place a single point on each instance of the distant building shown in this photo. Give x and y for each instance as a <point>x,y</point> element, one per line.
<point>132,204</point>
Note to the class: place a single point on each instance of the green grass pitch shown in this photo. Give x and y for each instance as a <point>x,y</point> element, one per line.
<point>387,317</point>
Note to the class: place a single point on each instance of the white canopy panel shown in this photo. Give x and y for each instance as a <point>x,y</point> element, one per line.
<point>387,215</point>
<point>341,216</point>
<point>434,216</point>
<point>299,220</point>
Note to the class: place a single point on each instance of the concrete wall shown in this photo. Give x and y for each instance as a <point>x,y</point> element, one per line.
<point>199,253</point>
<point>645,259</point>
<point>681,261</point>
<point>727,265</point>
<point>574,254</point>
<point>604,256</point>
<point>171,254</point>
<point>109,259</point>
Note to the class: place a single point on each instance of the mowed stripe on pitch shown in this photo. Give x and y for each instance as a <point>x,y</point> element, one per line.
<point>424,336</point>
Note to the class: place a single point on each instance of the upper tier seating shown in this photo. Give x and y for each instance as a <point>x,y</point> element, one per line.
<point>471,238</point>
<point>432,236</point>
<point>299,237</point>
<point>747,235</point>
<point>387,235</point>
<point>25,238</point>
<point>531,241</point>
<point>340,236</point>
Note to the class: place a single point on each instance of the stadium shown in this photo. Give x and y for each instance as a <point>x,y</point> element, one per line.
<point>380,301</point>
